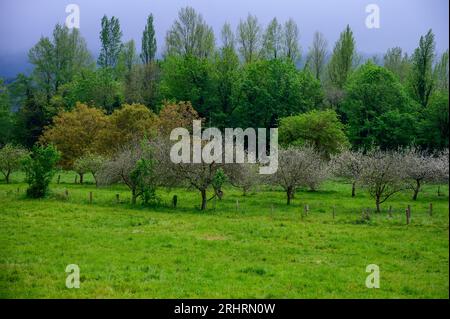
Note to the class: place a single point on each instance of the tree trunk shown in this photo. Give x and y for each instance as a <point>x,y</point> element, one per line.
<point>133,196</point>
<point>81,178</point>
<point>289,194</point>
<point>353,189</point>
<point>7,177</point>
<point>204,199</point>
<point>416,189</point>
<point>377,202</point>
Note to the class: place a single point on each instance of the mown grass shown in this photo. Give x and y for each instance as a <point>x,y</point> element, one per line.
<point>260,249</point>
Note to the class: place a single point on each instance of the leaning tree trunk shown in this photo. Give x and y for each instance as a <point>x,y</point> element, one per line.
<point>290,195</point>
<point>377,202</point>
<point>353,189</point>
<point>204,199</point>
<point>133,196</point>
<point>416,189</point>
<point>7,177</point>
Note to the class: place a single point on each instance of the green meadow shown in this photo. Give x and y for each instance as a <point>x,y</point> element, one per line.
<point>240,247</point>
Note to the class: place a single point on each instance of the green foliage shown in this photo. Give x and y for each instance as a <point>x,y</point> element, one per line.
<point>99,88</point>
<point>143,176</point>
<point>321,129</point>
<point>342,59</point>
<point>189,78</point>
<point>10,159</point>
<point>377,109</point>
<point>434,123</point>
<point>39,167</point>
<point>269,90</point>
<point>148,42</point>
<point>6,116</point>
<point>421,81</point>
<point>217,183</point>
<point>91,163</point>
<point>111,43</point>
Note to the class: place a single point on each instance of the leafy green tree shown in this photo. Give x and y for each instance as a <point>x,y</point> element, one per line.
<point>111,43</point>
<point>39,168</point>
<point>127,58</point>
<point>290,46</point>
<point>342,59</point>
<point>89,163</point>
<point>321,129</point>
<point>434,123</point>
<point>378,110</point>
<point>56,61</point>
<point>249,38</point>
<point>227,72</point>
<point>269,90</point>
<point>272,40</point>
<point>190,35</point>
<point>99,88</point>
<point>190,78</point>
<point>398,63</point>
<point>6,116</point>
<point>316,55</point>
<point>421,81</point>
<point>10,159</point>
<point>148,42</point>
<point>228,38</point>
<point>441,72</point>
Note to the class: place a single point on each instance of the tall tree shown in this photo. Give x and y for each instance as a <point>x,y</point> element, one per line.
<point>421,78</point>
<point>128,56</point>
<point>441,72</point>
<point>228,38</point>
<point>111,43</point>
<point>397,62</point>
<point>342,59</point>
<point>290,37</point>
<point>249,38</point>
<point>190,35</point>
<point>56,61</point>
<point>148,42</point>
<point>316,55</point>
<point>272,39</point>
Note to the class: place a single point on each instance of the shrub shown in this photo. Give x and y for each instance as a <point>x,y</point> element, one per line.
<point>39,167</point>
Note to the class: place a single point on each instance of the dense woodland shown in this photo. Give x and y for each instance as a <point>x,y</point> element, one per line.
<point>91,111</point>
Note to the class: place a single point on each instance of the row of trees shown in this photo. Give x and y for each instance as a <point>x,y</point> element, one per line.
<point>144,166</point>
<point>253,79</point>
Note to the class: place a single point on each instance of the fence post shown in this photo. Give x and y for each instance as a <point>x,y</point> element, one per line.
<point>408,214</point>
<point>174,201</point>
<point>90,197</point>
<point>390,211</point>
<point>117,198</point>
<point>334,211</point>
<point>66,192</point>
<point>306,209</point>
<point>431,209</point>
<point>59,178</point>
<point>237,204</point>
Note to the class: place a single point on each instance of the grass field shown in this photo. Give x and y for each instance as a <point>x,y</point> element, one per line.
<point>261,249</point>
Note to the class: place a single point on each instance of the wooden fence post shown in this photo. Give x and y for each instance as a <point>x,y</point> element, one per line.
<point>59,178</point>
<point>117,198</point>
<point>306,209</point>
<point>174,201</point>
<point>408,214</point>
<point>431,209</point>
<point>237,204</point>
<point>90,197</point>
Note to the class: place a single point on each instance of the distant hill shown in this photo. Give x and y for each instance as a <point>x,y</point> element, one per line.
<point>12,64</point>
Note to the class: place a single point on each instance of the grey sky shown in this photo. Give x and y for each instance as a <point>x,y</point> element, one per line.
<point>22,22</point>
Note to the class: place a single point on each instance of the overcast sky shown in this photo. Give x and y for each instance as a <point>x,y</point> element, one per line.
<point>22,22</point>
